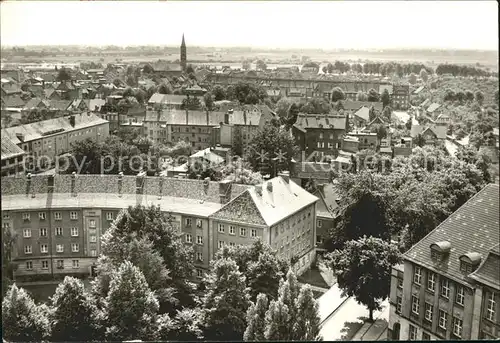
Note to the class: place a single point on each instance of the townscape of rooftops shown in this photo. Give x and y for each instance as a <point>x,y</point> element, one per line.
<point>316,198</point>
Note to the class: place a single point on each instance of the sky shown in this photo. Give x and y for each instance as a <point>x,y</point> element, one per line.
<point>267,24</point>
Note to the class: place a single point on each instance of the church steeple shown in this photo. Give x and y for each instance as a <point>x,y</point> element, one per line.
<point>183,54</point>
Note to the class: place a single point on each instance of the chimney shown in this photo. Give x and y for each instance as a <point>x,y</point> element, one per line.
<point>225,188</point>
<point>187,116</point>
<point>28,184</point>
<point>139,183</point>
<point>73,184</point>
<point>269,186</point>
<point>321,188</point>
<point>120,184</point>
<point>160,188</point>
<point>245,117</point>
<point>285,175</point>
<point>226,118</point>
<point>208,118</point>
<point>50,184</point>
<point>72,121</point>
<point>258,189</point>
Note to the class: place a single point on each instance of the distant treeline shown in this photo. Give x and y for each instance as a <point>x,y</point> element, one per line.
<point>462,70</point>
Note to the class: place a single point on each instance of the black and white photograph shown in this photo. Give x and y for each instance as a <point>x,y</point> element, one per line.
<point>249,171</point>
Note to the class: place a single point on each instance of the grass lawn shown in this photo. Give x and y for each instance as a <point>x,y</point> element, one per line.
<point>313,277</point>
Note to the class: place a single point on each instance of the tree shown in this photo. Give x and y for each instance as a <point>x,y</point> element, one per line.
<point>386,98</point>
<point>479,97</point>
<point>187,325</point>
<point>131,81</point>
<point>164,89</point>
<point>283,107</point>
<point>363,270</point>
<point>387,113</point>
<point>131,310</point>
<point>256,315</point>
<point>22,319</point>
<point>277,319</point>
<point>261,65</point>
<point>420,140</point>
<point>246,93</point>
<point>245,65</point>
<point>269,143</point>
<point>496,97</point>
<point>315,106</point>
<point>226,301</point>
<point>240,173</point>
<point>324,70</point>
<point>337,94</point>
<point>218,93</point>
<point>412,79</point>
<point>190,69</point>
<point>75,316</point>
<point>373,95</point>
<point>424,75</point>
<point>469,95</point>
<point>63,75</point>
<point>9,238</point>
<point>307,323</point>
<point>209,101</point>
<point>361,96</point>
<point>330,68</point>
<point>380,130</point>
<point>147,69</point>
<point>191,103</point>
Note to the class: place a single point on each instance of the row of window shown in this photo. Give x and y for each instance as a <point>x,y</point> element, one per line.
<point>321,145</point>
<point>442,323</point>
<point>44,248</point>
<point>445,285</point>
<point>43,232</point>
<point>73,215</point>
<point>291,222</point>
<point>303,232</point>
<point>232,230</point>
<point>59,263</point>
<point>199,222</point>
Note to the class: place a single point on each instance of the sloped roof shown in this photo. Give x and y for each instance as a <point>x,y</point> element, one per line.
<point>487,273</point>
<point>92,104</point>
<point>314,121</point>
<point>474,227</point>
<point>36,130</point>
<point>433,107</point>
<point>356,105</point>
<point>10,149</point>
<point>208,155</point>
<point>439,131</point>
<point>61,105</point>
<point>156,98</point>
<point>418,90</point>
<point>363,113</point>
<point>327,205</point>
<point>242,209</point>
<point>13,101</point>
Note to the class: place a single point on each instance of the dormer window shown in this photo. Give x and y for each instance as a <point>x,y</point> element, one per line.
<point>440,250</point>
<point>469,262</point>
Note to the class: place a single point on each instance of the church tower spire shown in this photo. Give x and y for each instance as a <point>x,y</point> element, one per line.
<point>183,54</point>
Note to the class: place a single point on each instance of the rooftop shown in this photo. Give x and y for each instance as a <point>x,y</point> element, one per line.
<point>479,213</point>
<point>314,121</point>
<point>9,149</point>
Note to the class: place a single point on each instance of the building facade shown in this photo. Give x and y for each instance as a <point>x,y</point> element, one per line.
<point>448,286</point>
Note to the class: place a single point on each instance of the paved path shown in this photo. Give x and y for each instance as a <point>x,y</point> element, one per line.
<point>315,288</point>
<point>374,331</point>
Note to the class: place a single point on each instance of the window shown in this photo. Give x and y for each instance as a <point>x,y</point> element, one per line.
<point>75,247</point>
<point>109,216</point>
<point>457,326</point>
<point>443,319</point>
<point>73,215</point>
<point>431,281</point>
<point>460,296</point>
<point>319,223</point>
<point>400,283</point>
<point>232,244</point>
<point>428,311</point>
<point>93,252</point>
<point>199,273</point>
<point>221,244</point>
<point>426,336</point>
<point>59,231</point>
<point>92,223</point>
<point>28,249</point>
<point>465,267</point>
<point>199,223</point>
<point>417,275</point>
<point>231,230</point>
<point>57,216</point>
<point>93,238</point>
<point>59,248</point>
<point>74,232</point>
<point>221,228</point>
<point>253,233</point>
<point>44,248</point>
<point>76,264</point>
<point>45,264</point>
<point>490,307</point>
<point>199,256</point>
<point>445,288</point>
<point>243,231</point>
<point>199,240</point>
<point>415,304</point>
<point>189,238</point>
<point>26,233</point>
<point>41,215</point>
<point>26,216</point>
<point>43,232</point>
<point>188,221</point>
<point>60,264</point>
<point>399,304</point>
<point>413,333</point>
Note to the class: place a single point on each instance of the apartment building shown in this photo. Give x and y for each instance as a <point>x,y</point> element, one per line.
<point>59,219</point>
<point>12,158</point>
<point>279,212</point>
<point>43,141</point>
<point>319,133</point>
<point>448,286</point>
<point>400,96</point>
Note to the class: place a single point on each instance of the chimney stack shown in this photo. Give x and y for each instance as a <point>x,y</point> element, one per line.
<point>160,188</point>
<point>73,184</point>
<point>120,184</point>
<point>225,188</point>
<point>139,183</point>
<point>28,184</point>
<point>321,188</point>
<point>258,189</point>
<point>269,186</point>
<point>72,120</point>
<point>187,116</point>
